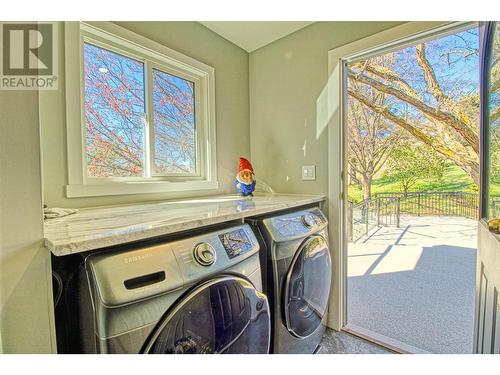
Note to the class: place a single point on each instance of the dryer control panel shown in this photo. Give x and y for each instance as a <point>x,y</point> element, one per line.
<point>296,224</point>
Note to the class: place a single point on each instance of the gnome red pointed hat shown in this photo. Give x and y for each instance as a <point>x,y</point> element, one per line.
<point>245,164</point>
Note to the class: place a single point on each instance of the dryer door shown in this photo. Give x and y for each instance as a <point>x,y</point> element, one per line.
<point>307,287</point>
<point>223,315</point>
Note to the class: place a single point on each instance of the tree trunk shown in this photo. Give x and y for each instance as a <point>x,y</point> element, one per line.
<point>473,170</point>
<point>366,187</point>
<point>405,187</point>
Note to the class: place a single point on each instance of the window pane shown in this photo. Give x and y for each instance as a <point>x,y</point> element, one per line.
<point>492,157</point>
<point>174,130</point>
<point>114,113</point>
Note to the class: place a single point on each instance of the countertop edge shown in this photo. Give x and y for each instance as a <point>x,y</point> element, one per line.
<point>104,242</point>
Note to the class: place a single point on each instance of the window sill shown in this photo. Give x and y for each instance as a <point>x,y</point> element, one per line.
<point>122,188</point>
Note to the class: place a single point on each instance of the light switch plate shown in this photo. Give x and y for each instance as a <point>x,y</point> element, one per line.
<point>308,172</point>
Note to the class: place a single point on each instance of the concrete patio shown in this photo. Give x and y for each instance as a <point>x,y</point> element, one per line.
<point>415,284</point>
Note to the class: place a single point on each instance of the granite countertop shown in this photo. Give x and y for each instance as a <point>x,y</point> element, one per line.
<point>99,227</point>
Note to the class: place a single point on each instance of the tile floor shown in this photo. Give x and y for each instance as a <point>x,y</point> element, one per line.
<point>343,343</point>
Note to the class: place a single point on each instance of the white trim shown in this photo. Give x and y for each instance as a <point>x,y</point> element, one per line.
<point>408,41</point>
<point>331,105</point>
<point>118,188</point>
<point>198,126</point>
<point>384,341</point>
<point>153,55</point>
<point>74,134</point>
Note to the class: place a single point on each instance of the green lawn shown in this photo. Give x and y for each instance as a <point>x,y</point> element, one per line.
<point>454,179</point>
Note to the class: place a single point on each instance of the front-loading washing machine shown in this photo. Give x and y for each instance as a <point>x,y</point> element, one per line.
<point>201,294</point>
<point>298,279</point>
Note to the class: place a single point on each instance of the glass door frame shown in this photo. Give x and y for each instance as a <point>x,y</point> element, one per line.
<point>486,34</point>
<point>383,42</point>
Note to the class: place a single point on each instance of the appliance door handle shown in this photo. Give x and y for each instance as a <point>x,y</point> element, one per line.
<point>144,280</point>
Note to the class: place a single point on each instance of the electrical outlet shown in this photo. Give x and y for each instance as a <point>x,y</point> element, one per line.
<point>308,172</point>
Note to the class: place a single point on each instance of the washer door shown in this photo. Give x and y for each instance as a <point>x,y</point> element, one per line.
<point>307,287</point>
<point>223,315</point>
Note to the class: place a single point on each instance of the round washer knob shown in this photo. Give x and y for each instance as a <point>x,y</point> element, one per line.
<point>204,254</point>
<point>308,220</point>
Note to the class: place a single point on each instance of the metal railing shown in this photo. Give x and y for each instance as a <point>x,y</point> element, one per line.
<point>385,209</point>
<point>388,211</point>
<point>362,217</point>
<point>436,203</point>
<point>370,214</point>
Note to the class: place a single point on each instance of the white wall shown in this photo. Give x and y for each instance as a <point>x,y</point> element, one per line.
<point>286,80</point>
<point>26,309</point>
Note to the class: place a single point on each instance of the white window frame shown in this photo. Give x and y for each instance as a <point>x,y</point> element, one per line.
<point>154,56</point>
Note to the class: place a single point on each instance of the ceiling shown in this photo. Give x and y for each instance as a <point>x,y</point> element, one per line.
<point>251,35</point>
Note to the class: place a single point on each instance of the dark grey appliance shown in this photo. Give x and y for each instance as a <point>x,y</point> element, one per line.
<point>196,295</point>
<point>299,274</point>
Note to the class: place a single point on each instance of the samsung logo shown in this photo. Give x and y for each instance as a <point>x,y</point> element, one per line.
<point>138,257</point>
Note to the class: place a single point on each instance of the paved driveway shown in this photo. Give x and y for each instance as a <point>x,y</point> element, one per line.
<point>416,283</point>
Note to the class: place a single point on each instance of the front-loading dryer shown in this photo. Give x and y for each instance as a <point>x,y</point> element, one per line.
<point>200,294</point>
<point>299,274</point>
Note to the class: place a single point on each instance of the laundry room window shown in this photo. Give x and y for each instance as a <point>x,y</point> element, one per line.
<point>173,124</point>
<point>144,117</point>
<point>114,112</point>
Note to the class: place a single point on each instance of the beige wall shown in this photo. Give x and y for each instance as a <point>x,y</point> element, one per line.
<point>26,311</point>
<point>232,111</point>
<point>286,79</point>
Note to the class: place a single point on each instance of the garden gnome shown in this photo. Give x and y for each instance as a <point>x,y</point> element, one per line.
<point>245,179</point>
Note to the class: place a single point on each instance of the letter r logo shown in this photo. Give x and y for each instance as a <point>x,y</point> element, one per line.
<point>27,49</point>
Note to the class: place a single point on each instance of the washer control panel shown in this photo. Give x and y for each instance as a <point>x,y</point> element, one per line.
<point>125,276</point>
<point>213,252</point>
<point>236,242</point>
<point>204,254</point>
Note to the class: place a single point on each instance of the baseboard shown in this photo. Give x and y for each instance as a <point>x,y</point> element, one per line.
<point>382,340</point>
